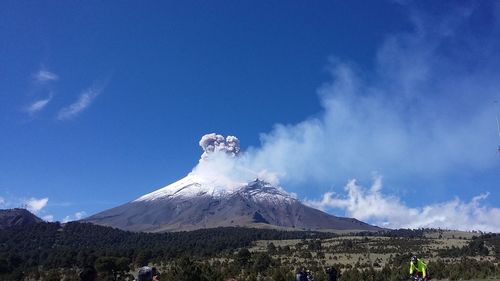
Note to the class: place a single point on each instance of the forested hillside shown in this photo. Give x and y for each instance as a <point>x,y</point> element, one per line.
<point>51,251</point>
<point>54,246</point>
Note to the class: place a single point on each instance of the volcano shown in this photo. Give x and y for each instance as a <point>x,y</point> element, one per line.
<point>210,197</point>
<point>194,203</point>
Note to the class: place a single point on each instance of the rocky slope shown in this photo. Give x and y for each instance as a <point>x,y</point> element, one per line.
<point>11,217</point>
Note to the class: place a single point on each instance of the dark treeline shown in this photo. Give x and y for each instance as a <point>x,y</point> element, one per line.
<point>405,233</point>
<point>400,233</point>
<point>52,245</point>
<point>492,239</point>
<point>478,246</point>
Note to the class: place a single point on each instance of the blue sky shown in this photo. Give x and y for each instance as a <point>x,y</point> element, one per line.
<point>101,102</point>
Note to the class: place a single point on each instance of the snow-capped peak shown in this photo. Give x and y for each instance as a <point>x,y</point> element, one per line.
<point>189,186</point>
<point>193,185</point>
<point>263,191</point>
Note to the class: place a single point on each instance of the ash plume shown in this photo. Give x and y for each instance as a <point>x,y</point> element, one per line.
<point>213,143</point>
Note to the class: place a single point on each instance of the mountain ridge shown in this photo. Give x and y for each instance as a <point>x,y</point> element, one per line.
<point>194,203</point>
<point>17,216</point>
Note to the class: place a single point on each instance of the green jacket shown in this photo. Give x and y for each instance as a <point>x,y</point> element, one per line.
<point>420,266</point>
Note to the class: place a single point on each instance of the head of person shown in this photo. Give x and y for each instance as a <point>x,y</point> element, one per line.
<point>413,260</point>
<point>145,274</point>
<point>88,273</point>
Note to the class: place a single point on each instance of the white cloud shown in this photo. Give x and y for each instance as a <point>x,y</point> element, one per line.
<point>77,216</point>
<point>80,215</point>
<point>36,205</point>
<point>390,211</point>
<point>84,100</point>
<point>38,105</point>
<point>49,218</point>
<point>45,76</point>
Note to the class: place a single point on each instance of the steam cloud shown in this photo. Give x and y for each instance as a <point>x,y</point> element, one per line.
<point>221,162</point>
<point>424,112</point>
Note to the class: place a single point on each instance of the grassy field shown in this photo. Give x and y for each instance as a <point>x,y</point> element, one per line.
<point>351,251</point>
<point>445,252</point>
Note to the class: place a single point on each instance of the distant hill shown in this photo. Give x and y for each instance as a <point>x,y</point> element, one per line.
<point>17,216</point>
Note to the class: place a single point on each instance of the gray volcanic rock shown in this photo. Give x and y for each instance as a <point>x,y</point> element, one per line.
<point>11,217</point>
<point>189,204</point>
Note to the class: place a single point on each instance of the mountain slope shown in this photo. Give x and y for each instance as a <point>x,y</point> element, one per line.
<point>193,203</point>
<point>11,217</point>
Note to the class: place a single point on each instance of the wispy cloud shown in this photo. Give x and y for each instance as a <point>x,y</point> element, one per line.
<point>84,101</point>
<point>77,216</point>
<point>42,79</point>
<point>35,205</point>
<point>38,105</point>
<point>372,205</point>
<point>45,76</point>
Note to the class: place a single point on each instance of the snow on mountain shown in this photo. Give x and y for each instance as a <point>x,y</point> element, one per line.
<point>189,186</point>
<point>195,186</point>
